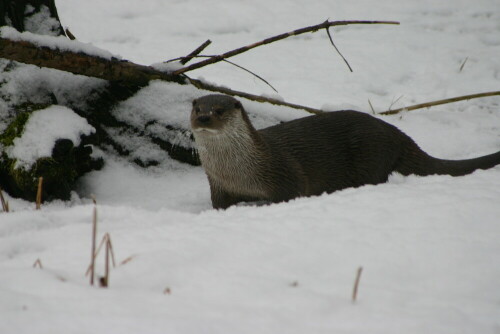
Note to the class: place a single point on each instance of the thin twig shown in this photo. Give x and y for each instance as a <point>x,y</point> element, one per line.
<point>231,63</point>
<point>356,284</point>
<point>439,102</point>
<point>256,75</point>
<point>196,52</point>
<point>338,51</point>
<point>39,193</point>
<point>5,204</point>
<point>235,52</point>
<point>395,101</point>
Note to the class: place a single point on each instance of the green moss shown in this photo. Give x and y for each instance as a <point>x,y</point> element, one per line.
<point>14,130</point>
<point>58,175</point>
<point>16,127</point>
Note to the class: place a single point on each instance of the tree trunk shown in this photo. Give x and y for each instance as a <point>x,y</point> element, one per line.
<point>26,15</point>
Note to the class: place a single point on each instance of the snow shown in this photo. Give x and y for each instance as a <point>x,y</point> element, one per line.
<point>54,42</point>
<point>41,131</point>
<point>28,83</point>
<point>428,245</point>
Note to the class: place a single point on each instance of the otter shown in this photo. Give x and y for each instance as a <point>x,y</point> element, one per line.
<point>307,156</point>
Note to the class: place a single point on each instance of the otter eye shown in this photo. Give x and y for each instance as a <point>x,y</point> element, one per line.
<point>194,103</point>
<point>197,110</point>
<point>219,111</point>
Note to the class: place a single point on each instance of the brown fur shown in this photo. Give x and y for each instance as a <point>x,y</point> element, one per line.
<point>307,156</point>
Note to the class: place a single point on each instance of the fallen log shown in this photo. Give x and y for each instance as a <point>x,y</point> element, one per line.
<point>113,69</point>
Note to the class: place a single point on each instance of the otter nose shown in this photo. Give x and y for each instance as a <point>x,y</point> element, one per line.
<point>203,119</point>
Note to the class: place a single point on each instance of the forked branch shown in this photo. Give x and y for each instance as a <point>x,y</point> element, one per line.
<point>324,25</point>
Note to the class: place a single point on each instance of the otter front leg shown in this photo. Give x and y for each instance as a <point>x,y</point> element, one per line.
<point>221,199</point>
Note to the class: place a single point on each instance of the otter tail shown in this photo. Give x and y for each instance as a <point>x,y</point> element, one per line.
<point>416,161</point>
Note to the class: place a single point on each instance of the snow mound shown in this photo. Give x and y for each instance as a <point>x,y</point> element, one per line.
<point>42,130</point>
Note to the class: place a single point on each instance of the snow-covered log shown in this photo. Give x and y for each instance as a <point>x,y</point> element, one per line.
<point>52,122</point>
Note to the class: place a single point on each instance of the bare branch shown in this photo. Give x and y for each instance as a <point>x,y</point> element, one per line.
<point>129,72</point>
<point>253,97</point>
<point>300,31</point>
<point>196,52</point>
<point>5,204</point>
<point>439,102</point>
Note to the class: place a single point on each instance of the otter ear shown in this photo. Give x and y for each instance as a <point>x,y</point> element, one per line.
<point>194,102</point>
<point>237,105</point>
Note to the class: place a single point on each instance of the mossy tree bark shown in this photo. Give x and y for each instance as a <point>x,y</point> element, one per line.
<point>59,171</point>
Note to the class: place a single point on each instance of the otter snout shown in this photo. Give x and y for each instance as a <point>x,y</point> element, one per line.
<point>204,119</point>
<point>203,122</point>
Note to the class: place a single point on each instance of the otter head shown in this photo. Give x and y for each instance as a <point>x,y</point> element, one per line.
<point>211,113</point>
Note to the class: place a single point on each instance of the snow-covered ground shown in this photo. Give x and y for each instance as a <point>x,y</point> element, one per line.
<point>429,246</point>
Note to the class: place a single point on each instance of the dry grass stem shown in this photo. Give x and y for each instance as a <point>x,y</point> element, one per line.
<point>127,260</point>
<point>106,264</point>
<point>94,235</point>
<point>39,193</point>
<point>38,264</point>
<point>109,246</point>
<point>356,284</point>
<point>371,106</point>
<point>106,240</point>
<point>463,64</point>
<point>5,204</point>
